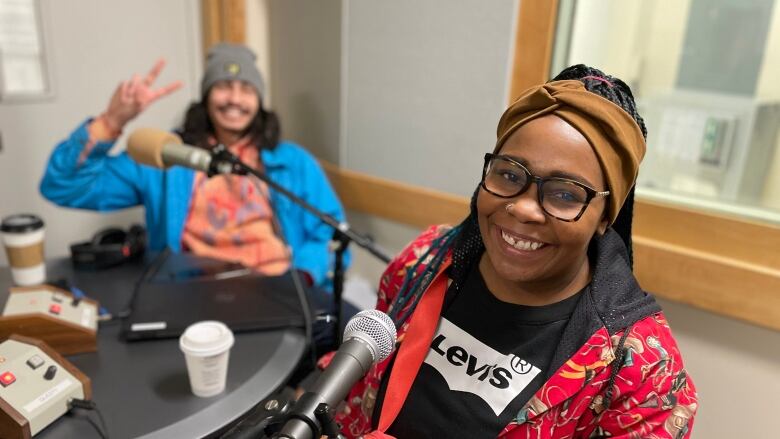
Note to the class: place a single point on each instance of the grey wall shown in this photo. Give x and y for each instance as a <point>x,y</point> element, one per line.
<point>736,369</point>
<point>387,88</point>
<point>425,85</point>
<point>305,62</point>
<point>92,45</point>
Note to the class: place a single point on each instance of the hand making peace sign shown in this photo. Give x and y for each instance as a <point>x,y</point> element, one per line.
<point>133,96</point>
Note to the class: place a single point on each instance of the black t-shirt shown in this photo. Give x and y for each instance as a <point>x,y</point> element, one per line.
<point>486,360</point>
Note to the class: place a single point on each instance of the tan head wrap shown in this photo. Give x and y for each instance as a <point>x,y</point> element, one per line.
<point>611,131</point>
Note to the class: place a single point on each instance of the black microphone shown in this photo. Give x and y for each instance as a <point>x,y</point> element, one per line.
<point>162,149</point>
<point>369,338</point>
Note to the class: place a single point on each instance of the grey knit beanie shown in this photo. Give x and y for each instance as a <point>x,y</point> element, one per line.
<point>231,61</point>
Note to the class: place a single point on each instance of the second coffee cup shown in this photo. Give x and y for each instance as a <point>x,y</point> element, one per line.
<point>22,236</point>
<point>206,347</point>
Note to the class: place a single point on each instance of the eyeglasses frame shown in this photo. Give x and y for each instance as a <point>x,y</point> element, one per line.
<point>591,193</point>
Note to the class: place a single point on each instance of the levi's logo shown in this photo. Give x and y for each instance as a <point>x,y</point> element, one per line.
<point>468,365</point>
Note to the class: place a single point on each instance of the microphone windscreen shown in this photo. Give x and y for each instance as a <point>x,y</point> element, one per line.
<point>145,145</point>
<point>376,329</point>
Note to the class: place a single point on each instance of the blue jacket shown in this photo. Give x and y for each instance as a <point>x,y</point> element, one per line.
<point>107,183</point>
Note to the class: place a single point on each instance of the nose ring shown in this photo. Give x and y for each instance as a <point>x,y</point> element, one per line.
<point>509,207</point>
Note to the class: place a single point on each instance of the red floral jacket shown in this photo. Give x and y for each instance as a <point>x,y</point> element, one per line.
<point>652,395</point>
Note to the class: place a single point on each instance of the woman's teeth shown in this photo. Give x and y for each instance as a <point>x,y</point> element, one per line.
<point>519,243</point>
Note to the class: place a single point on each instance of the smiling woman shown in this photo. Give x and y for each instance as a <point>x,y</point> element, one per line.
<point>532,257</point>
<point>525,320</point>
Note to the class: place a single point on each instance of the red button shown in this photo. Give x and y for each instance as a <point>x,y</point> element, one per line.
<point>55,308</point>
<point>7,379</point>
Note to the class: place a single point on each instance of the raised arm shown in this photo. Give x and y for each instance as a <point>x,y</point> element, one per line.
<point>135,95</point>
<point>81,174</point>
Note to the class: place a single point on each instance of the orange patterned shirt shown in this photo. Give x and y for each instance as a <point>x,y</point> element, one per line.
<point>231,219</point>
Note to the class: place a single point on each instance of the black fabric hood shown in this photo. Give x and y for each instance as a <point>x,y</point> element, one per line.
<point>614,299</point>
<point>617,297</point>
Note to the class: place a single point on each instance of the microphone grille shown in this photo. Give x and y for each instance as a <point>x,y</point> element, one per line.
<point>376,329</point>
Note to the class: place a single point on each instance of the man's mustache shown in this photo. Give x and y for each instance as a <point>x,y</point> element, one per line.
<point>231,106</point>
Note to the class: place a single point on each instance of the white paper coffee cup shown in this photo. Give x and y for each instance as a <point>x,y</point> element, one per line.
<point>22,237</point>
<point>206,346</point>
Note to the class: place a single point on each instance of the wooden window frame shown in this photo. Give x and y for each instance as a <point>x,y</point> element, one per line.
<point>223,21</point>
<point>728,266</point>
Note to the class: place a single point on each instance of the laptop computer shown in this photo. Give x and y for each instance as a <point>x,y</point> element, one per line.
<point>186,289</point>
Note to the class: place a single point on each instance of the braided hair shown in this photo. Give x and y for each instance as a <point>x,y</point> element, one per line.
<point>616,91</point>
<point>465,238</point>
<point>619,93</point>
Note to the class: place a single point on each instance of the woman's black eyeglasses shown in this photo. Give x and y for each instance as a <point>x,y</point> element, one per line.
<point>560,198</point>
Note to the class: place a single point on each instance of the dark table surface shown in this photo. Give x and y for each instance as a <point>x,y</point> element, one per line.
<point>142,388</point>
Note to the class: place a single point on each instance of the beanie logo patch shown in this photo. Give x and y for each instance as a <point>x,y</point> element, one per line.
<point>232,68</point>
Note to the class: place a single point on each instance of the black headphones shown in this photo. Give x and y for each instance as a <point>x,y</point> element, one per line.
<point>109,247</point>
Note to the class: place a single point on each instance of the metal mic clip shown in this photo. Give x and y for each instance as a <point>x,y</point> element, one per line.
<point>224,162</point>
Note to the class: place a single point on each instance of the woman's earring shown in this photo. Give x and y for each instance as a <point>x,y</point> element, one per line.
<point>509,208</point>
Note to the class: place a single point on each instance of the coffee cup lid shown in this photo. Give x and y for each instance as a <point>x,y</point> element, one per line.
<point>205,338</point>
<point>21,223</point>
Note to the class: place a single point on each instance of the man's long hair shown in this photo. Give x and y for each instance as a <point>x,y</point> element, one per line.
<point>264,130</point>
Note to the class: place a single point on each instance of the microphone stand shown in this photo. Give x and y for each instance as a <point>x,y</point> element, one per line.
<point>224,162</point>
<point>272,414</point>
<point>275,411</point>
